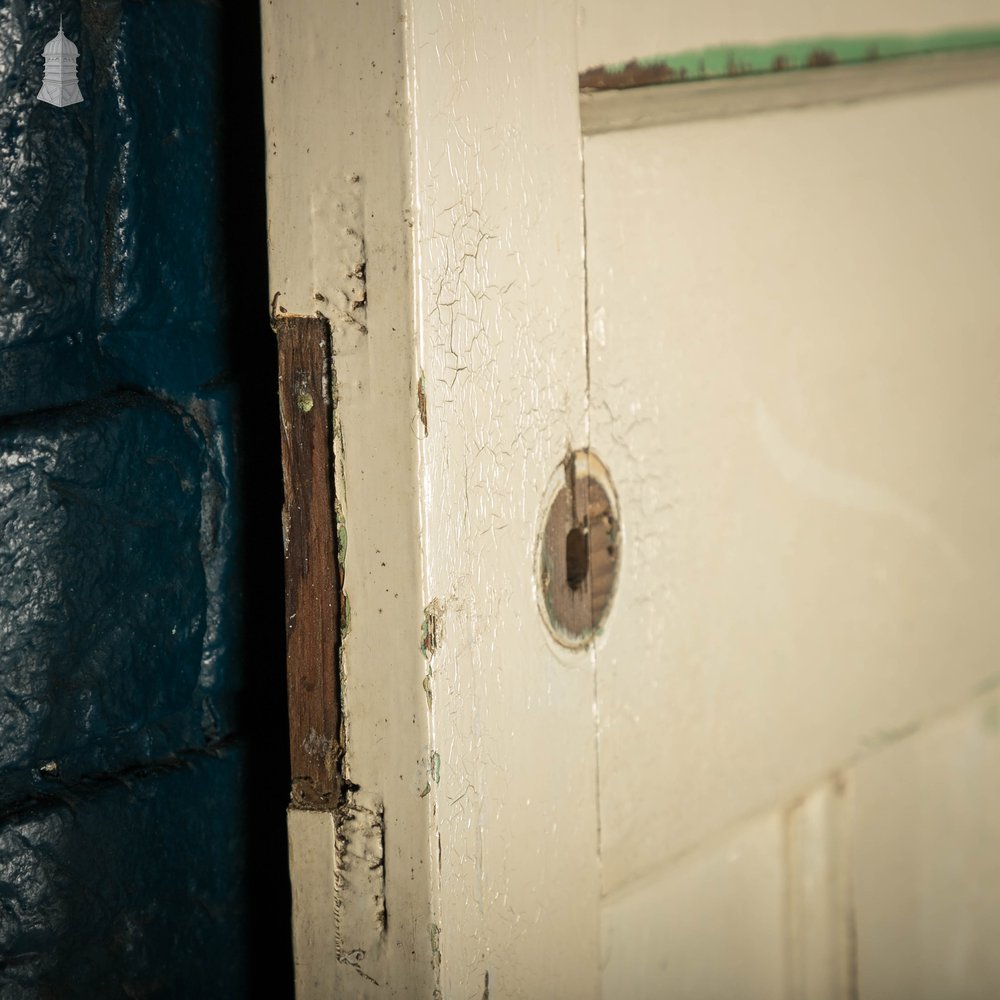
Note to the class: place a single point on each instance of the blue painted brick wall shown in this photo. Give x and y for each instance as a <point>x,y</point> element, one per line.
<point>104,588</point>
<point>106,893</point>
<point>123,767</point>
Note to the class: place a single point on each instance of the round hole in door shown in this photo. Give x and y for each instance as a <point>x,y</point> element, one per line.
<point>578,550</point>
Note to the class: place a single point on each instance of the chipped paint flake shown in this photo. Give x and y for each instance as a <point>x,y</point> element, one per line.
<point>360,879</point>
<point>432,628</point>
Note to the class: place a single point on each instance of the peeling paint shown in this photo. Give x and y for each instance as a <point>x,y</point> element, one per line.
<point>360,878</point>
<point>422,400</point>
<point>341,208</point>
<point>432,627</point>
<point>431,633</point>
<point>435,933</point>
<point>345,618</point>
<point>500,299</point>
<point>340,523</point>
<point>718,62</point>
<point>337,220</point>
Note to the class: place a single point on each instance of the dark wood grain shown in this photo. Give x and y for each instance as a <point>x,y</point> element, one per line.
<point>312,575</point>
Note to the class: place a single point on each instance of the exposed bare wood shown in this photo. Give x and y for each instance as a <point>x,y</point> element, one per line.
<point>312,577</point>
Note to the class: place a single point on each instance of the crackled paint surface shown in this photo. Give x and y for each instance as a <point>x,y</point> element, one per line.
<point>451,422</point>
<point>338,204</point>
<point>469,734</point>
<point>500,327</point>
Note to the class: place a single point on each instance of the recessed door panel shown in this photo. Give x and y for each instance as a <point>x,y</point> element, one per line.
<point>794,325</point>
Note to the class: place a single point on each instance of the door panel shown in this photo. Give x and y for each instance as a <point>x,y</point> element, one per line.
<point>684,935</point>
<point>793,323</point>
<point>927,866</point>
<point>785,355</point>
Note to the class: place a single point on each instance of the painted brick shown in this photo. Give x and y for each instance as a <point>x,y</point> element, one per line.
<point>110,211</point>
<point>220,540</point>
<point>120,525</point>
<point>105,603</point>
<point>157,163</point>
<point>107,894</point>
<point>48,231</point>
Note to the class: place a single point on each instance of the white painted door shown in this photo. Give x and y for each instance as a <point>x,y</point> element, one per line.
<point>771,314</point>
<point>794,374</point>
<point>424,203</point>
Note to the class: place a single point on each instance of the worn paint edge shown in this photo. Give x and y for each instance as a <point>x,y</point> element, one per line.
<point>727,61</point>
<point>978,697</point>
<point>644,107</point>
<point>338,200</point>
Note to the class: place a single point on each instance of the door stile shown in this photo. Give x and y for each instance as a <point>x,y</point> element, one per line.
<point>425,226</point>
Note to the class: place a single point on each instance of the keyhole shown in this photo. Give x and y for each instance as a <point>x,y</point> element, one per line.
<point>577,558</point>
<point>576,565</point>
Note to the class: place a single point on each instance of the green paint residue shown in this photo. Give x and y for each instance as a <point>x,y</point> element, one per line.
<point>436,959</point>
<point>345,618</point>
<point>427,636</point>
<point>338,516</point>
<point>886,737</point>
<point>432,628</point>
<point>984,687</point>
<point>991,718</point>
<point>740,60</point>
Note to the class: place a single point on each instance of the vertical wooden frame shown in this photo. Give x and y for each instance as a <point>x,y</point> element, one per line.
<point>425,201</point>
<point>501,340</point>
<point>339,190</point>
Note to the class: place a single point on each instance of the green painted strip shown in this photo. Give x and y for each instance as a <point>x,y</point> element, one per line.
<point>742,60</point>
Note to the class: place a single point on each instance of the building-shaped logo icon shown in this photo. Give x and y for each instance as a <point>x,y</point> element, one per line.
<point>59,85</point>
